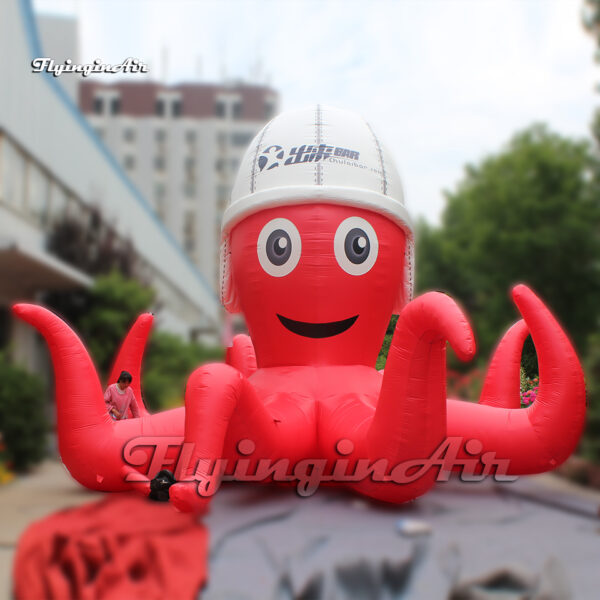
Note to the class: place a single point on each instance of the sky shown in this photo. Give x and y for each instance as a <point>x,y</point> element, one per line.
<point>443,82</point>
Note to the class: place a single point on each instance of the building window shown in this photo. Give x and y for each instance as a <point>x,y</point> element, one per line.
<point>129,134</point>
<point>129,162</point>
<point>176,108</point>
<point>159,108</point>
<point>189,231</point>
<point>98,105</point>
<point>190,189</point>
<point>159,190</point>
<point>220,165</point>
<point>160,135</point>
<point>58,202</point>
<point>38,191</point>
<point>241,139</point>
<point>190,164</point>
<point>190,136</point>
<point>115,106</point>
<point>223,193</point>
<point>14,173</point>
<point>234,163</point>
<point>159,163</point>
<point>161,210</point>
<point>159,199</point>
<point>237,110</point>
<point>99,132</point>
<point>269,110</point>
<point>220,109</point>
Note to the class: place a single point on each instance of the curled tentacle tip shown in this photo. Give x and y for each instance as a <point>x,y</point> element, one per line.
<point>184,498</point>
<point>463,341</point>
<point>31,313</point>
<point>138,481</point>
<point>521,290</point>
<point>466,348</point>
<point>145,320</point>
<point>21,309</point>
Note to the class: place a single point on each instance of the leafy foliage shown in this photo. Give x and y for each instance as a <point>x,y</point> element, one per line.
<point>113,305</point>
<point>386,343</point>
<point>591,441</point>
<point>23,420</point>
<point>90,244</point>
<point>169,362</point>
<point>528,214</point>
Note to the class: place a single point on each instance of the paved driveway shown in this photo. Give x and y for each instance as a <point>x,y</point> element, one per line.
<point>269,543</point>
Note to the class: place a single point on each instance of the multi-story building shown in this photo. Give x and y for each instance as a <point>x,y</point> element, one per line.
<point>181,145</point>
<point>54,168</point>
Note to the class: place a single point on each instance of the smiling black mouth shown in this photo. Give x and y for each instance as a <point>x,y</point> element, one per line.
<point>317,330</point>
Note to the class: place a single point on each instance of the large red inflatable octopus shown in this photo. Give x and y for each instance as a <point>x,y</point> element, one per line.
<point>317,254</point>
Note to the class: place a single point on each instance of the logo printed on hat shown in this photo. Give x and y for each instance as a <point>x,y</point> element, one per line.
<point>271,154</point>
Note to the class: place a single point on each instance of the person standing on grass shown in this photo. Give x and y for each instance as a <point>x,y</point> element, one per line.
<point>119,397</point>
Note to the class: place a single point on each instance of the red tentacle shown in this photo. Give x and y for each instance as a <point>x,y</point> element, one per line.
<point>130,357</point>
<point>241,355</point>
<point>410,418</point>
<point>90,443</point>
<point>542,436</point>
<point>502,381</point>
<point>213,394</point>
<point>79,397</point>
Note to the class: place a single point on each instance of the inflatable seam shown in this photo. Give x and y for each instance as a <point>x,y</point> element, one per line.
<point>258,143</point>
<point>381,162</point>
<point>318,127</point>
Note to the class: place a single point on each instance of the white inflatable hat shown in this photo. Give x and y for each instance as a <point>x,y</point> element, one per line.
<point>316,155</point>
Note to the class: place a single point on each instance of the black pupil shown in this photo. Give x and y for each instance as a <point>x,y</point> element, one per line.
<point>279,247</point>
<point>357,246</point>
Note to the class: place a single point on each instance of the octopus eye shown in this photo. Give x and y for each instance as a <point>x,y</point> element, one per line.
<point>279,247</point>
<point>356,246</point>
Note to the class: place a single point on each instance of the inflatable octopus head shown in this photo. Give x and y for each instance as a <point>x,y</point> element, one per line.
<point>317,245</point>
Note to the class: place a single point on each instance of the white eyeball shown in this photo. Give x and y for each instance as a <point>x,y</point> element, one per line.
<point>356,246</point>
<point>279,247</point>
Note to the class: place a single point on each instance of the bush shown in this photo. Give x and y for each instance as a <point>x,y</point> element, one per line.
<point>590,444</point>
<point>23,420</point>
<point>103,318</point>
<point>385,348</point>
<point>529,388</point>
<point>169,362</point>
<point>113,306</point>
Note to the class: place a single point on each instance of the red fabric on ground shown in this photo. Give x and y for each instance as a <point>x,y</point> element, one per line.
<point>125,547</point>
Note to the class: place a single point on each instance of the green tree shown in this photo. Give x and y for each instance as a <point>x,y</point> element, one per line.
<point>112,306</point>
<point>169,362</point>
<point>23,420</point>
<point>591,441</point>
<point>387,340</point>
<point>527,214</point>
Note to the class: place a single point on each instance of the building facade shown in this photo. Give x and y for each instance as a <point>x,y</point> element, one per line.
<point>54,169</point>
<point>181,145</point>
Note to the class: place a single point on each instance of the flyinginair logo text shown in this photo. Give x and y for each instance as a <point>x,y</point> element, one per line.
<point>129,65</point>
<point>273,155</point>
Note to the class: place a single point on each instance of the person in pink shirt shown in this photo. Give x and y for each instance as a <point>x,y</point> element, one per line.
<point>119,397</point>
